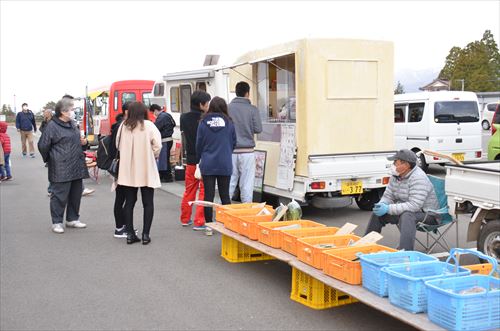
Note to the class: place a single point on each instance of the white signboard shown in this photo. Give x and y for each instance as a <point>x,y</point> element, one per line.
<point>288,150</point>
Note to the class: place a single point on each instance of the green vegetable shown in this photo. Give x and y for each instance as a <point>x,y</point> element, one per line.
<point>294,211</point>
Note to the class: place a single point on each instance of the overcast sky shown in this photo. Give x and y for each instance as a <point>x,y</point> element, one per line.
<point>49,48</point>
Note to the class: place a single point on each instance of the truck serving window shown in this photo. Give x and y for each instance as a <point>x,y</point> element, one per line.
<point>174,99</point>
<point>276,95</point>
<point>456,111</point>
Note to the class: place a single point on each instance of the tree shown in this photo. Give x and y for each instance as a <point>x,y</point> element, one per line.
<point>6,110</point>
<point>399,88</point>
<point>478,65</point>
<point>50,105</point>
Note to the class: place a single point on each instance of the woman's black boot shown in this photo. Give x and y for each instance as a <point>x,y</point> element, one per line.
<point>132,238</point>
<point>145,239</point>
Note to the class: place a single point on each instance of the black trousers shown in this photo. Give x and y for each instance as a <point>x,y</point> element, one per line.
<point>66,196</point>
<point>167,173</point>
<point>119,205</point>
<point>222,185</point>
<point>147,194</point>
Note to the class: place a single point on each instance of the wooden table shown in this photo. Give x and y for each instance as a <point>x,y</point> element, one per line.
<point>419,321</point>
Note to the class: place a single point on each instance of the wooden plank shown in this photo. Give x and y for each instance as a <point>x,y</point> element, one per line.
<point>419,321</point>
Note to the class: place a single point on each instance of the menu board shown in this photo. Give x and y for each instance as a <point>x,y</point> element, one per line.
<point>288,151</point>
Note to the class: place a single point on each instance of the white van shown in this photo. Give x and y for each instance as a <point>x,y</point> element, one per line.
<point>445,121</point>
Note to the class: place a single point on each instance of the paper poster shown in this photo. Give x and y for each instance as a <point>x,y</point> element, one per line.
<point>288,150</point>
<point>260,166</point>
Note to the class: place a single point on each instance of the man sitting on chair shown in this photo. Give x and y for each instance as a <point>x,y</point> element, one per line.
<point>406,199</point>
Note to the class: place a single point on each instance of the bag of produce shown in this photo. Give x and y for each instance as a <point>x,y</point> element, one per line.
<point>294,212</point>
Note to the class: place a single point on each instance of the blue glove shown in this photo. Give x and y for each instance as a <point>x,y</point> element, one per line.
<point>380,209</point>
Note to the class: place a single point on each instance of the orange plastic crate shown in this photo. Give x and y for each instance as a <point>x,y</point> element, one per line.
<point>232,221</point>
<point>220,213</point>
<point>269,235</point>
<point>290,237</point>
<point>308,252</point>
<point>343,264</point>
<point>248,225</point>
<point>481,269</point>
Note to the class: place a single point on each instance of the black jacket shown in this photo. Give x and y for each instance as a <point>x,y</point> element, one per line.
<point>165,124</point>
<point>114,132</point>
<point>189,127</point>
<point>60,147</point>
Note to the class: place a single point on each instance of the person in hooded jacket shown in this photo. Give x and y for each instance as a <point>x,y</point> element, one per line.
<point>61,146</point>
<point>5,173</point>
<point>215,141</point>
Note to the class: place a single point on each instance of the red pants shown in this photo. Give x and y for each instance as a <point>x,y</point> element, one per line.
<point>192,185</point>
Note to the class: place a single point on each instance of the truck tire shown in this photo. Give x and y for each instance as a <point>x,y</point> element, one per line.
<point>422,163</point>
<point>489,239</point>
<point>367,200</point>
<point>485,124</point>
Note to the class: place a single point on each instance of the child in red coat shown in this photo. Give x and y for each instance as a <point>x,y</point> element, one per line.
<point>5,173</point>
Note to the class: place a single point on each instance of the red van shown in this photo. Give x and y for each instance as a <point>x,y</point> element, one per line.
<point>104,104</point>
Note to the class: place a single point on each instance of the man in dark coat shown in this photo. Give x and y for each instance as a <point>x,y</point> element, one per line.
<point>61,146</point>
<point>25,124</point>
<point>165,124</point>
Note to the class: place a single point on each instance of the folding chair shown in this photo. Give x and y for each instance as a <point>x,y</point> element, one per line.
<point>435,232</point>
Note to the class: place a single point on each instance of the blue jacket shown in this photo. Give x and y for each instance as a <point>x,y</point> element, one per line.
<point>25,121</point>
<point>215,141</point>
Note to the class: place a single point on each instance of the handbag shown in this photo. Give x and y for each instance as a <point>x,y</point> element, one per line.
<point>114,167</point>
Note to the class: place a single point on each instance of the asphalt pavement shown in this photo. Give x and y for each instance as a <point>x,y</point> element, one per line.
<point>85,279</point>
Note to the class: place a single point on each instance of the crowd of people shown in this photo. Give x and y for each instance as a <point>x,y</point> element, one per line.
<point>219,148</point>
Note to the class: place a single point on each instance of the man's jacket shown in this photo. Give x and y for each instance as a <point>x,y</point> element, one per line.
<point>25,121</point>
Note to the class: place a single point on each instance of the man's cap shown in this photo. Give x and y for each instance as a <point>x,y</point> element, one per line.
<point>404,155</point>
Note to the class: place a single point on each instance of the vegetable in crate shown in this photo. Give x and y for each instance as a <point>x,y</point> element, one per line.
<point>294,211</point>
<point>279,213</point>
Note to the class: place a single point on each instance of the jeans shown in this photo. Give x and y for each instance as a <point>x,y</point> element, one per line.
<point>118,207</point>
<point>222,185</point>
<point>407,222</point>
<point>5,169</point>
<point>147,194</point>
<point>244,175</point>
<point>66,196</point>
<point>164,166</point>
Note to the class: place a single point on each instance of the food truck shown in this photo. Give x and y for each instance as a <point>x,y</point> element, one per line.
<point>327,112</point>
<point>174,91</point>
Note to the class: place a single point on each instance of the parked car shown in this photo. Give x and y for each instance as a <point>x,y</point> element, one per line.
<point>487,114</point>
<point>494,143</point>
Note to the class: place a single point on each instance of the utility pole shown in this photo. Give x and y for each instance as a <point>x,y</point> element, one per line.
<point>15,104</point>
<point>463,82</point>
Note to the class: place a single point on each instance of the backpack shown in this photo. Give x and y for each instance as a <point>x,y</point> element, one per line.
<point>103,158</point>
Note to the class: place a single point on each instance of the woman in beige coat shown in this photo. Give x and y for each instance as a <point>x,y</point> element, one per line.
<point>139,144</point>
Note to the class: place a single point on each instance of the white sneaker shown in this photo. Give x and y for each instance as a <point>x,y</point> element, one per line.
<point>76,224</point>
<point>87,191</point>
<point>57,228</point>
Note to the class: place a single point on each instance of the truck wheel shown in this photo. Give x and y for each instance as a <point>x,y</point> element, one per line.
<point>422,163</point>
<point>486,125</point>
<point>367,200</point>
<point>489,239</point>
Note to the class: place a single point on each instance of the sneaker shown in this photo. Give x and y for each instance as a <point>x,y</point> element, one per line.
<point>122,233</point>
<point>57,228</point>
<point>75,224</point>
<point>8,178</point>
<point>199,228</point>
<point>24,154</point>
<point>32,156</point>
<point>188,223</point>
<point>2,178</point>
<point>87,191</point>
<point>208,231</point>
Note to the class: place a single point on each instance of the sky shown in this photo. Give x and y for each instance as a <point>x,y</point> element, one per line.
<point>50,48</point>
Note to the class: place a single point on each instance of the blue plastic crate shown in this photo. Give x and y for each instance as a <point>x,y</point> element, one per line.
<point>453,310</point>
<point>374,279</point>
<point>406,283</point>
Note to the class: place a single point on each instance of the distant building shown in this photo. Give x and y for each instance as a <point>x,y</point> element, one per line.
<point>436,85</point>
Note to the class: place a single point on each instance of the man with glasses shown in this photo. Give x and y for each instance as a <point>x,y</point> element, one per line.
<point>407,198</point>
